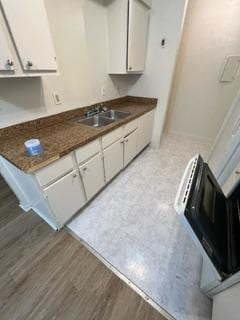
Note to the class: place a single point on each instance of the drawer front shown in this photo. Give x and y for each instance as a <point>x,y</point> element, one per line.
<point>55,170</point>
<point>89,150</point>
<point>111,137</point>
<point>130,127</point>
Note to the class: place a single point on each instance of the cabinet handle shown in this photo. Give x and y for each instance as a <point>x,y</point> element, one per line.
<point>29,64</point>
<point>10,62</point>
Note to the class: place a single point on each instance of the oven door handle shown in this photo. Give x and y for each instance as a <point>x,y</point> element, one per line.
<point>185,186</point>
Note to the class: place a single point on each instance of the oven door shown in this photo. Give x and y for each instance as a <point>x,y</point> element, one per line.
<point>203,206</point>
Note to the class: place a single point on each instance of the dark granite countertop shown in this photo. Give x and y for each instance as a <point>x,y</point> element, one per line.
<point>59,135</point>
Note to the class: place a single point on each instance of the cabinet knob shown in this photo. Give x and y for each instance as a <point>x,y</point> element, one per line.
<point>237,172</point>
<point>29,64</point>
<point>130,68</point>
<point>84,169</point>
<point>122,142</point>
<point>126,140</point>
<point>10,62</point>
<point>75,175</point>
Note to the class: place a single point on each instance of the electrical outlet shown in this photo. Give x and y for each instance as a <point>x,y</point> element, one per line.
<point>103,91</point>
<point>57,98</point>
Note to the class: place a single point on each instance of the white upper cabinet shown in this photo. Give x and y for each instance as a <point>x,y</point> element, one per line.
<point>137,35</point>
<point>128,24</point>
<point>27,25</point>
<point>6,57</point>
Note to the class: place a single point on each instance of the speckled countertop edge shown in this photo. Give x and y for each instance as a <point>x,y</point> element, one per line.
<point>65,136</point>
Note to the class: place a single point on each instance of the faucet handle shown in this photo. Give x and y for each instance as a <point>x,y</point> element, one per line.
<point>95,110</point>
<point>87,113</point>
<point>98,108</point>
<point>104,108</point>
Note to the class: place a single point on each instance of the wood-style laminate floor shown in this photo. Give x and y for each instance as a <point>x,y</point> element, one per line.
<point>46,275</point>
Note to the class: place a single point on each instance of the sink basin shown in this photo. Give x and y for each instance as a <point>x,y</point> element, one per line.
<point>115,114</point>
<point>103,119</point>
<point>96,121</point>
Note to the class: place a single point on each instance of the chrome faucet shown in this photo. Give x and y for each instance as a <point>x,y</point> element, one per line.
<point>96,110</point>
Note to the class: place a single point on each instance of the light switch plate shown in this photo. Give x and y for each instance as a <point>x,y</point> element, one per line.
<point>103,91</point>
<point>57,98</point>
<point>231,69</point>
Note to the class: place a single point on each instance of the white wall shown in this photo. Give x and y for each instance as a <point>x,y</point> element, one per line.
<point>199,102</point>
<point>79,34</point>
<point>166,22</point>
<point>96,28</point>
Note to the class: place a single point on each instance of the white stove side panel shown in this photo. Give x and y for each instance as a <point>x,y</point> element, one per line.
<point>209,278</point>
<point>226,304</point>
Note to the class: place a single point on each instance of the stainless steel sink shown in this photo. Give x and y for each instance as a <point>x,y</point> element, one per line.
<point>96,121</point>
<point>115,114</point>
<point>103,119</point>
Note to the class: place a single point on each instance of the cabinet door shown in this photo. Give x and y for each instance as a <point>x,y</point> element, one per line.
<point>6,57</point>
<point>93,176</point>
<point>137,35</point>
<point>145,128</point>
<point>113,159</point>
<point>66,196</point>
<point>29,27</point>
<point>130,147</point>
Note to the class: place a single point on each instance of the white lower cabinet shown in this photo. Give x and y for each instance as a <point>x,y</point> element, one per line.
<point>65,197</point>
<point>57,191</point>
<point>130,147</point>
<point>145,128</point>
<point>113,159</point>
<point>93,176</point>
